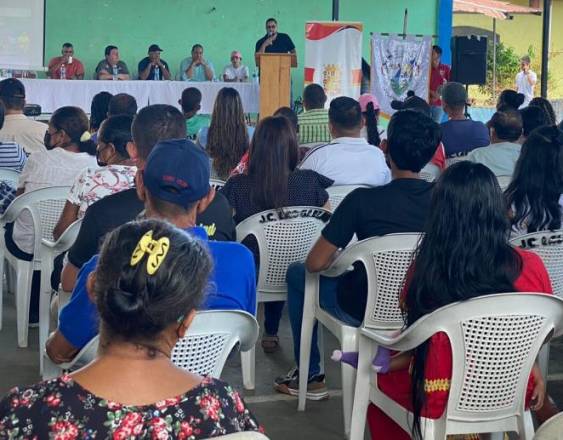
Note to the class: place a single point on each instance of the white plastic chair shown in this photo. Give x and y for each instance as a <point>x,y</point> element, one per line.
<point>211,338</point>
<point>495,340</point>
<point>11,177</point>
<point>204,350</point>
<point>216,183</point>
<point>549,246</point>
<point>430,172</point>
<point>551,429</point>
<point>245,435</point>
<point>45,206</point>
<point>386,260</point>
<point>337,193</point>
<point>451,160</point>
<point>504,181</point>
<point>284,236</point>
<point>49,250</point>
<point>84,356</point>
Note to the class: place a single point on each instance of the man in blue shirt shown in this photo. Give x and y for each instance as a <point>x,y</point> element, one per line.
<point>197,68</point>
<point>174,186</point>
<point>459,134</point>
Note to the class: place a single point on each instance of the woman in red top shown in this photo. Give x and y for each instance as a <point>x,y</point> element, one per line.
<point>464,254</point>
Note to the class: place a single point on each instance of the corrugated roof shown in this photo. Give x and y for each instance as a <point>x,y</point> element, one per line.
<point>492,8</point>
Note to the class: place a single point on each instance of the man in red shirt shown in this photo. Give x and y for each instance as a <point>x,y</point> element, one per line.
<point>66,66</point>
<point>439,75</point>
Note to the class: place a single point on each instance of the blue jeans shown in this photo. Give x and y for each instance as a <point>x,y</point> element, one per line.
<point>272,316</point>
<point>295,300</point>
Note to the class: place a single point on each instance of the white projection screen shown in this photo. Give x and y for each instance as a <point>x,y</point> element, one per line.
<point>21,34</point>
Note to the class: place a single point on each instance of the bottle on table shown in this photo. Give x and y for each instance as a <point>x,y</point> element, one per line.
<point>156,73</point>
<point>115,72</point>
<point>62,71</point>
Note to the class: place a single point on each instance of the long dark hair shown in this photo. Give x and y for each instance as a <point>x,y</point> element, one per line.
<point>75,123</point>
<point>538,101</point>
<point>510,98</point>
<point>273,156</point>
<point>227,138</point>
<point>135,306</point>
<point>537,182</point>
<point>371,118</point>
<point>116,130</point>
<point>99,109</point>
<point>463,254</point>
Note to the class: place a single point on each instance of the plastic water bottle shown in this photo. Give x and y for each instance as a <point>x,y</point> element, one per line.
<point>63,71</point>
<point>115,71</point>
<point>255,78</point>
<point>156,73</point>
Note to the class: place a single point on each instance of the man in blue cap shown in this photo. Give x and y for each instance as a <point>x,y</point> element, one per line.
<point>174,186</point>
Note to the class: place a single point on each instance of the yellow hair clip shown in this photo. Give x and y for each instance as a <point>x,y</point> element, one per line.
<point>157,250</point>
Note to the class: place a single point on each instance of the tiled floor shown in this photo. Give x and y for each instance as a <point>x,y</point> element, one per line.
<point>277,413</point>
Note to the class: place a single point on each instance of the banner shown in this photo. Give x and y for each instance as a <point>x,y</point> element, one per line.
<point>398,65</point>
<point>333,57</point>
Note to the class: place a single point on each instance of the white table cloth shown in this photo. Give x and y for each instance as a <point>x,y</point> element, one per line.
<point>51,94</point>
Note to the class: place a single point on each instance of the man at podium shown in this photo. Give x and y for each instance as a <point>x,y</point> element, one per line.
<point>274,41</point>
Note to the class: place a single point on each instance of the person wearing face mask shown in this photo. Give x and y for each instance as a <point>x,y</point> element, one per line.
<point>69,149</point>
<point>115,171</point>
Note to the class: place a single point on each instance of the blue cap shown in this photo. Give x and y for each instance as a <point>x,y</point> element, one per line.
<point>177,171</point>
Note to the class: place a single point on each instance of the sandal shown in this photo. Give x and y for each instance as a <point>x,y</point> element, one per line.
<point>270,344</point>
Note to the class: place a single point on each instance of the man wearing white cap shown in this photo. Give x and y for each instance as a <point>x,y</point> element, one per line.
<point>236,71</point>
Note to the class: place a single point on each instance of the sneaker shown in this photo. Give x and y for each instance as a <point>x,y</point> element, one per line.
<point>289,384</point>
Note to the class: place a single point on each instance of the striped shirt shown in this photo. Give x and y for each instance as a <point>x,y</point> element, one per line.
<point>12,156</point>
<point>313,126</point>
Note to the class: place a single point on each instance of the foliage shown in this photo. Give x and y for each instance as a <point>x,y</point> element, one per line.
<point>508,65</point>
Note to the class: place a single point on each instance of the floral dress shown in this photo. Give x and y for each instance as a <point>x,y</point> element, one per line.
<point>61,409</point>
<point>93,184</point>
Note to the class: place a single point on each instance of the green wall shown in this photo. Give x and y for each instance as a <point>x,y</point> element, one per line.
<point>220,25</point>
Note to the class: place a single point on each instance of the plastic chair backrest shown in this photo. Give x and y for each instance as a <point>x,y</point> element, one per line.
<point>337,193</point>
<point>284,236</point>
<point>386,260</point>
<point>45,206</point>
<point>245,435</point>
<point>66,240</point>
<point>504,181</point>
<point>425,175</point>
<point>451,160</point>
<point>551,429</point>
<point>495,340</point>
<point>549,246</point>
<point>211,338</point>
<point>216,183</point>
<point>11,177</point>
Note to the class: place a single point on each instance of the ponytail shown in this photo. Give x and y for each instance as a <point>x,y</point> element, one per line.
<point>371,116</point>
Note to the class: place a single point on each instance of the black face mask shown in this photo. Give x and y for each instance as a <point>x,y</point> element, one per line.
<point>101,163</point>
<point>47,140</point>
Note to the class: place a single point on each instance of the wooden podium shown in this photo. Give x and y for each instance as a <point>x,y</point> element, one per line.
<point>275,81</point>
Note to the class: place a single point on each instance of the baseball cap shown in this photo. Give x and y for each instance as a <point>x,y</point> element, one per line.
<point>454,94</point>
<point>412,102</point>
<point>236,53</point>
<point>155,48</point>
<point>177,171</point>
<point>365,99</point>
<point>12,87</point>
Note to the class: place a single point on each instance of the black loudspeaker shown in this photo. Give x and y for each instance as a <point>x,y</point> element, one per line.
<point>469,59</point>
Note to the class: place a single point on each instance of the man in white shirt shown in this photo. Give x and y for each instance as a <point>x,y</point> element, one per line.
<point>17,127</point>
<point>236,71</point>
<point>348,159</point>
<point>526,80</point>
<point>501,156</point>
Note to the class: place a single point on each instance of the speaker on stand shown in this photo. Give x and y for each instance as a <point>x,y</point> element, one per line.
<point>469,61</point>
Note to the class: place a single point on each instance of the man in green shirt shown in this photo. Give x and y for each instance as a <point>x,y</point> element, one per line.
<point>313,123</point>
<point>191,103</point>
